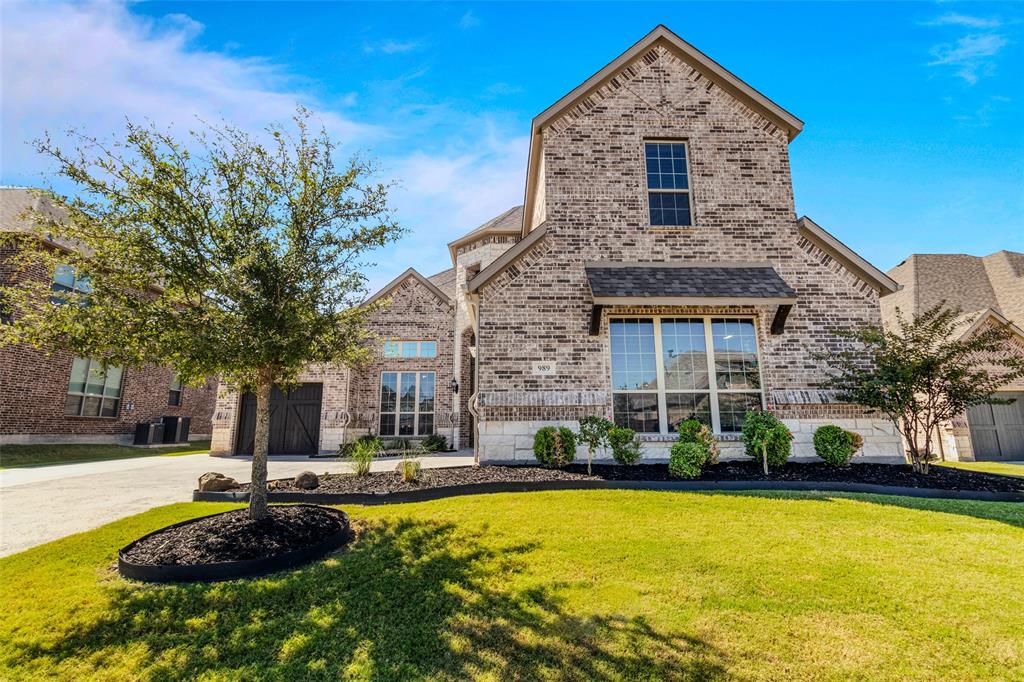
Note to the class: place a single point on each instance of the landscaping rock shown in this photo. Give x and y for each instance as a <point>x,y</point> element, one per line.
<point>211,481</point>
<point>306,480</point>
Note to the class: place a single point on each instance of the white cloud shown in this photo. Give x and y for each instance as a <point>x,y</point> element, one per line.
<point>954,19</point>
<point>503,89</point>
<point>91,65</point>
<point>469,20</point>
<point>391,47</point>
<point>971,56</point>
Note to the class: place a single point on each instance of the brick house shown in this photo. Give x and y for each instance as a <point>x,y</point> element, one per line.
<point>56,397</point>
<point>989,290</point>
<point>656,271</point>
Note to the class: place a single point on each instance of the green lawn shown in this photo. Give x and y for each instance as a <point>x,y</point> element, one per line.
<point>1002,468</point>
<point>561,585</point>
<point>14,456</point>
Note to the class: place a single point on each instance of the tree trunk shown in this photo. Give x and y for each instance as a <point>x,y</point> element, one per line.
<point>764,457</point>
<point>258,489</point>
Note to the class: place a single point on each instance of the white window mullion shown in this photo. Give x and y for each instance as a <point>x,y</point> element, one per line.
<point>416,404</point>
<point>659,363</point>
<point>709,342</point>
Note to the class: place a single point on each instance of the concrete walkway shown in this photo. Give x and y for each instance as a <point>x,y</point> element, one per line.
<point>41,504</point>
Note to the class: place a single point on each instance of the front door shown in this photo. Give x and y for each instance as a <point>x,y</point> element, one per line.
<point>294,421</point>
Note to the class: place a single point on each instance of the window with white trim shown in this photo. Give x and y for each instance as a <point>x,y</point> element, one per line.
<point>664,373</point>
<point>93,391</point>
<point>668,184</point>
<point>407,403</point>
<point>410,349</point>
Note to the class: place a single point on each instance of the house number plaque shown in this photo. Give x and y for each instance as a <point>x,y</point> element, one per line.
<point>543,369</point>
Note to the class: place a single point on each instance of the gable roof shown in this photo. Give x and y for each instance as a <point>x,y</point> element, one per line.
<point>821,238</point>
<point>707,66</point>
<point>413,273</point>
<point>444,280</point>
<point>509,222</point>
<point>971,283</point>
<point>968,323</point>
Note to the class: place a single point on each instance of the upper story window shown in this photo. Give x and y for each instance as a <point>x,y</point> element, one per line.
<point>67,280</point>
<point>669,369</point>
<point>93,391</point>
<point>174,394</point>
<point>668,184</point>
<point>410,349</point>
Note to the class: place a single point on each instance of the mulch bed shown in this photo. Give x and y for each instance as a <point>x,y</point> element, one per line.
<point>234,537</point>
<point>942,478</point>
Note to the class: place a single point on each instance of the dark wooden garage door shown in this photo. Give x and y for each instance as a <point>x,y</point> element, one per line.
<point>294,421</point>
<point>997,431</point>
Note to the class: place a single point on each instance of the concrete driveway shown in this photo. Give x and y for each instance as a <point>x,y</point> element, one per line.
<point>41,504</point>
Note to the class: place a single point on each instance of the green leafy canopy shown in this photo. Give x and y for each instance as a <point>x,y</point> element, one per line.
<point>249,249</point>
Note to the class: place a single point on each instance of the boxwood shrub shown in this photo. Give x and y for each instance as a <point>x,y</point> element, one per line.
<point>625,445</point>
<point>693,431</point>
<point>554,446</point>
<point>687,460</point>
<point>834,445</point>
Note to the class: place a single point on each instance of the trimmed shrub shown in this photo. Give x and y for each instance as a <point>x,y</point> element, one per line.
<point>833,444</point>
<point>625,445</point>
<point>554,447</point>
<point>435,442</point>
<point>693,431</point>
<point>766,438</point>
<point>687,460</point>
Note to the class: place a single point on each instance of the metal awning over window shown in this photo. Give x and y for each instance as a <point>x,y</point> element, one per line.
<point>740,284</point>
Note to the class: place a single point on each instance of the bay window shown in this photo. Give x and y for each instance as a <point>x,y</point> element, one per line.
<point>669,369</point>
<point>406,403</point>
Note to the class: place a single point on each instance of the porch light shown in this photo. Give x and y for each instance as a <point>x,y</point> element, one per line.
<point>454,385</point>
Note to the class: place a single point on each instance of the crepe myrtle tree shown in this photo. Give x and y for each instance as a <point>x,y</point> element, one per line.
<point>923,372</point>
<point>223,253</point>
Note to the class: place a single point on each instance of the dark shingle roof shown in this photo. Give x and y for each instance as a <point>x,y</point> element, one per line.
<point>711,281</point>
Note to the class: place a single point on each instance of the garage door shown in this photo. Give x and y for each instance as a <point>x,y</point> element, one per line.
<point>997,431</point>
<point>294,421</point>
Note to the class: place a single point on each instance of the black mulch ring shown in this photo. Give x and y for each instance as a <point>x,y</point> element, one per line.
<point>942,478</point>
<point>234,537</point>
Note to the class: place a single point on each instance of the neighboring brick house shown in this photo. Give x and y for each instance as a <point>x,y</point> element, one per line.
<point>989,290</point>
<point>55,397</point>
<point>657,271</point>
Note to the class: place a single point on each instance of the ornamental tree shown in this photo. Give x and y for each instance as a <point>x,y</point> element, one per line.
<point>220,254</point>
<point>924,371</point>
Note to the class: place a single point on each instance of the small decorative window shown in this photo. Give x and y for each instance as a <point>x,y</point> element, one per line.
<point>93,391</point>
<point>174,394</point>
<point>668,184</point>
<point>410,349</point>
<point>67,281</point>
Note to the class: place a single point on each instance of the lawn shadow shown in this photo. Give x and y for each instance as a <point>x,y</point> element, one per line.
<point>1010,513</point>
<point>407,600</point>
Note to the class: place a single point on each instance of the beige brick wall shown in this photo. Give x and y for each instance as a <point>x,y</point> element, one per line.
<point>596,210</point>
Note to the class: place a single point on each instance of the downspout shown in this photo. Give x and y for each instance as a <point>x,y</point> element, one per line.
<point>472,404</point>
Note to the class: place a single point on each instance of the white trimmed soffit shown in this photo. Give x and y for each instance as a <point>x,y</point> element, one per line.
<point>707,66</point>
<point>849,258</point>
<point>411,272</point>
<point>507,258</point>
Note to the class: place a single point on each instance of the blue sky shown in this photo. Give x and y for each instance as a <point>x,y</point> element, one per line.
<point>912,142</point>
